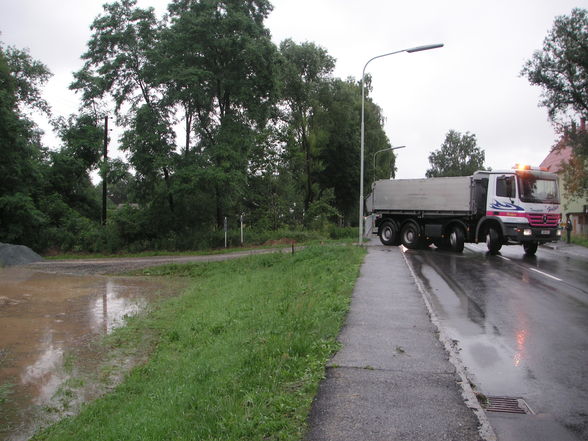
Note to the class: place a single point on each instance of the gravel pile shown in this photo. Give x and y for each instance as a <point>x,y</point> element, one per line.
<point>17,255</point>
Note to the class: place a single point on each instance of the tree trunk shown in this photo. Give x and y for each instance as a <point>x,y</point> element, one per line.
<point>220,222</point>
<point>188,130</point>
<point>170,197</point>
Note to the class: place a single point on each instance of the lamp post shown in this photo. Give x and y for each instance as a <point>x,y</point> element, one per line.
<point>410,51</point>
<point>380,151</point>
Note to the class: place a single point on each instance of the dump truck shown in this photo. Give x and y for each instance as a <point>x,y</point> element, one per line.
<point>504,207</point>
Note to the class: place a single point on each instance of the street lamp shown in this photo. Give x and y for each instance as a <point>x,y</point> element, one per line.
<point>410,51</point>
<point>384,150</point>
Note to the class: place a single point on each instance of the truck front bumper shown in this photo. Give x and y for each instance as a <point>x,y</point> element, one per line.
<point>525,233</point>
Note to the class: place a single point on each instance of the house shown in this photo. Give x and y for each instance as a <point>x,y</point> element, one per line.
<point>577,208</point>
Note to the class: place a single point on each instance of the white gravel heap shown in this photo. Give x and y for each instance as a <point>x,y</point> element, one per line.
<point>17,255</point>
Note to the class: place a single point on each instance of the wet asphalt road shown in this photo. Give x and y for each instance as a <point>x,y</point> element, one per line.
<point>521,325</point>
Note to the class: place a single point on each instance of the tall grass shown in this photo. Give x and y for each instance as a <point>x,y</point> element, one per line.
<point>238,357</point>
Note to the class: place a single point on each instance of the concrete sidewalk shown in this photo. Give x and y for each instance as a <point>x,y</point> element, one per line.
<point>568,248</point>
<point>392,379</point>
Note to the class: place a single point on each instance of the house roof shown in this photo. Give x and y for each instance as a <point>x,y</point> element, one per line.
<point>557,158</point>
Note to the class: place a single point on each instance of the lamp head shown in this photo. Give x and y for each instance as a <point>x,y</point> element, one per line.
<point>424,48</point>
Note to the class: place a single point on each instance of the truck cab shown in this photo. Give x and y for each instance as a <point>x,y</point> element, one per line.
<point>521,207</point>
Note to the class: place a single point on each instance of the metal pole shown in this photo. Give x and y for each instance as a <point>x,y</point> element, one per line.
<point>226,228</point>
<point>241,219</point>
<point>361,168</point>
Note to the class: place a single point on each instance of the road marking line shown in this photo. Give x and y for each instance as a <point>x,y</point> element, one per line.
<point>545,274</point>
<point>505,258</point>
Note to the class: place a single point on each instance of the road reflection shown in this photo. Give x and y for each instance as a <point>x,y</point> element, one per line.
<point>465,292</point>
<point>520,324</point>
<point>48,320</point>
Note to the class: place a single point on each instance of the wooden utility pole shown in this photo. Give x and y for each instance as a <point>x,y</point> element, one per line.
<point>104,170</point>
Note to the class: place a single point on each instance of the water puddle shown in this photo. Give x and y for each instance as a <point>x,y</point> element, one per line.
<point>48,322</point>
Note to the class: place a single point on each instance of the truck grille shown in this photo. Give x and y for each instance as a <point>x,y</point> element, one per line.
<point>543,220</point>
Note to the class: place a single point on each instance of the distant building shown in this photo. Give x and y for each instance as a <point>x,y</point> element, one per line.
<point>577,208</point>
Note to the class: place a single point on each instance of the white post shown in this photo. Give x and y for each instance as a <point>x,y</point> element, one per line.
<point>226,228</point>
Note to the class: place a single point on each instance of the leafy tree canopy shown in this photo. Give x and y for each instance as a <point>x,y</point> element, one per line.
<point>561,70</point>
<point>459,155</point>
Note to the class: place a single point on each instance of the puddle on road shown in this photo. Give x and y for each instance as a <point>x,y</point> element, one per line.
<point>45,319</point>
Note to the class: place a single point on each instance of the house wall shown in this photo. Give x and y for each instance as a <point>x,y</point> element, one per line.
<point>577,209</point>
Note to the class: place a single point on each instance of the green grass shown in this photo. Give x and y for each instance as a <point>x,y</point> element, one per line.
<point>238,356</point>
<point>5,391</point>
<point>578,240</point>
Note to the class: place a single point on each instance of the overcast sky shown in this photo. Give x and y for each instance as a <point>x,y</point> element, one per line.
<point>472,84</point>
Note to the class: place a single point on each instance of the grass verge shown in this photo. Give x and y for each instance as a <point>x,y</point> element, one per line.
<point>579,240</point>
<point>238,356</point>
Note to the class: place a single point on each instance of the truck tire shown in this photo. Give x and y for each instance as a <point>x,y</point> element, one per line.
<point>493,241</point>
<point>409,236</point>
<point>456,239</point>
<point>530,248</point>
<point>388,233</point>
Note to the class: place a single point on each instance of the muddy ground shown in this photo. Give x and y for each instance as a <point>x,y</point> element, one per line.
<point>53,313</point>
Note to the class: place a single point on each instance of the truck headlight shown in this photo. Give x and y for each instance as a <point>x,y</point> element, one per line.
<point>558,233</point>
<point>527,232</point>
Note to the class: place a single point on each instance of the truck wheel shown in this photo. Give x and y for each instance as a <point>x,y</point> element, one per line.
<point>388,233</point>
<point>493,241</point>
<point>456,239</point>
<point>530,248</point>
<point>409,236</point>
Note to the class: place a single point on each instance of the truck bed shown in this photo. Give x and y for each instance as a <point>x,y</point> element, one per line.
<point>421,195</point>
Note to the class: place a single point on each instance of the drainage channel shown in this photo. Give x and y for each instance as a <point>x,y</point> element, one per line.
<point>508,405</point>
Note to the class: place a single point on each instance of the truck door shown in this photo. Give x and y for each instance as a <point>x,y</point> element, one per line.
<point>502,200</point>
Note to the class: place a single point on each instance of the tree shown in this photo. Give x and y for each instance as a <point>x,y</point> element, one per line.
<point>119,63</point>
<point>338,119</point>
<point>21,167</point>
<point>117,59</point>
<point>458,156</point>
<point>305,70</point>
<point>69,173</point>
<point>149,142</point>
<point>223,74</point>
<point>576,169</point>
<point>561,70</point>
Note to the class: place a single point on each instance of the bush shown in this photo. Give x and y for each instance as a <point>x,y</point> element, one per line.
<point>342,232</point>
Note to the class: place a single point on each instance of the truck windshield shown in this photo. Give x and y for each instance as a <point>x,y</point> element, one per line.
<point>536,188</point>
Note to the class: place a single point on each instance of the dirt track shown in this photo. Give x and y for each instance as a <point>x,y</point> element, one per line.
<point>121,265</point>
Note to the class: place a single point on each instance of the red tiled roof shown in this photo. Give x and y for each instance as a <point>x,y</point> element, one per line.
<point>556,158</point>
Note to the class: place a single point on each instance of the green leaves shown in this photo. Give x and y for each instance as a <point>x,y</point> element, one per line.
<point>118,56</point>
<point>561,68</point>
<point>459,155</point>
<point>28,76</point>
<point>266,133</point>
